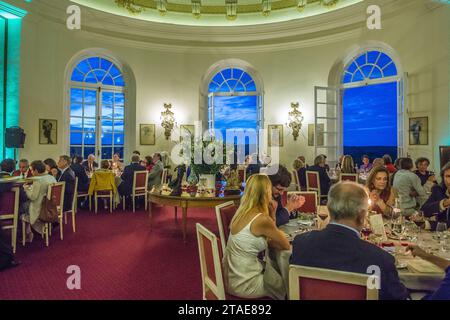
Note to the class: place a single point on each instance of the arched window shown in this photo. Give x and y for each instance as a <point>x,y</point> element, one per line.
<point>372,103</point>
<point>235,102</point>
<point>97,103</point>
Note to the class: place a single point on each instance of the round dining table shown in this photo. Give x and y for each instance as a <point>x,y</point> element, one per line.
<point>185,203</point>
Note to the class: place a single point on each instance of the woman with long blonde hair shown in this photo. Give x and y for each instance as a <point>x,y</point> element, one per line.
<point>252,229</point>
<point>348,165</point>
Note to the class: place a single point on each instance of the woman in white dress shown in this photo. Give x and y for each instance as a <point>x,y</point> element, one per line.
<point>252,229</point>
<point>35,194</point>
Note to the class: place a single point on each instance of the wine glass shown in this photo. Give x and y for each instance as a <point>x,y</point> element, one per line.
<point>441,228</point>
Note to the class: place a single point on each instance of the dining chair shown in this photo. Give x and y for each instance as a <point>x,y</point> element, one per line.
<point>140,184</point>
<point>73,210</point>
<point>9,213</point>
<point>164,176</point>
<point>296,180</point>
<point>313,184</point>
<point>308,283</point>
<point>224,214</point>
<point>348,177</point>
<point>310,205</point>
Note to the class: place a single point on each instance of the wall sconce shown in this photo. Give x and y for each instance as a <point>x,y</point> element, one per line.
<point>168,120</point>
<point>266,7</point>
<point>231,6</point>
<point>301,4</point>
<point>196,8</point>
<point>295,120</point>
<point>161,6</point>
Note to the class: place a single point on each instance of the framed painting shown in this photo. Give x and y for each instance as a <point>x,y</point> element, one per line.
<point>147,134</point>
<point>418,131</point>
<point>48,131</point>
<point>275,132</point>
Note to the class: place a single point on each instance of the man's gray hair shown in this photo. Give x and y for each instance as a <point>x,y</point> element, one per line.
<point>346,200</point>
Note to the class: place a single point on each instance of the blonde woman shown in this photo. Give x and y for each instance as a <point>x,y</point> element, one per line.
<point>251,231</point>
<point>348,165</point>
<point>300,167</point>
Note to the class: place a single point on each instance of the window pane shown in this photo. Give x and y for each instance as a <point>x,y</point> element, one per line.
<point>237,73</point>
<point>90,78</point>
<point>251,86</point>
<point>114,72</point>
<point>107,152</point>
<point>240,87</point>
<point>390,70</point>
<point>88,151</point>
<point>218,78</point>
<point>105,64</point>
<point>94,62</point>
<point>75,138</point>
<point>76,124</point>
<point>119,150</point>
<point>107,97</point>
<point>352,67</point>
<point>77,75</point>
<point>119,98</point>
<point>224,88</point>
<point>118,112</point>
<point>76,95</point>
<point>213,87</point>
<point>84,67</point>
<point>226,73</point>
<point>89,124</point>
<point>384,60</point>
<point>366,70</point>
<point>107,127</point>
<point>89,138</point>
<point>372,56</point>
<point>232,84</point>
<point>358,76</point>
<point>75,151</point>
<point>119,81</point>
<point>118,139</point>
<point>376,73</point>
<point>118,126</point>
<point>90,111</point>
<point>90,97</point>
<point>107,111</point>
<point>361,60</point>
<point>246,78</point>
<point>107,139</point>
<point>347,77</point>
<point>76,109</point>
<point>100,74</point>
<point>108,81</point>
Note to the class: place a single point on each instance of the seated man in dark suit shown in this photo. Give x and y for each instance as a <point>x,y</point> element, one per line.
<point>90,165</point>
<point>439,201</point>
<point>280,182</point>
<point>320,167</point>
<point>68,176</point>
<point>80,173</point>
<point>126,187</point>
<point>339,246</point>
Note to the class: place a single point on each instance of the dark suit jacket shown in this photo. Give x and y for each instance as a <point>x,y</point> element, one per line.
<point>339,248</point>
<point>282,215</point>
<point>302,177</point>
<point>323,177</point>
<point>85,164</point>
<point>126,187</point>
<point>252,168</point>
<point>80,173</point>
<point>69,178</point>
<point>431,206</point>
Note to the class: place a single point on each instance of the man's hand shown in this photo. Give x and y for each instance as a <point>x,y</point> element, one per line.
<point>294,202</point>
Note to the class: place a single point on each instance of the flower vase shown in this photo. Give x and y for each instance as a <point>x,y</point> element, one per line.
<point>208,181</point>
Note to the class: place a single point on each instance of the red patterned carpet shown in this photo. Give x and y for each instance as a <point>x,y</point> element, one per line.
<point>119,259</point>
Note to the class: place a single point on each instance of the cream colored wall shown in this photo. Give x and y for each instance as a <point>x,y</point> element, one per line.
<point>420,39</point>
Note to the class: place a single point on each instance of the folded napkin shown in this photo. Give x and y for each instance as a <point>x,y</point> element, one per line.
<point>423,266</point>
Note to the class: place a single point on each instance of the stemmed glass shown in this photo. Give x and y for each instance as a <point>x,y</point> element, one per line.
<point>441,228</point>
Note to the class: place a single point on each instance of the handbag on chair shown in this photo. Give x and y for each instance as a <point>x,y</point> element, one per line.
<point>49,211</point>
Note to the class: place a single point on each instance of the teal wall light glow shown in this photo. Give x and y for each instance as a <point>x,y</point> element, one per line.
<point>10,39</point>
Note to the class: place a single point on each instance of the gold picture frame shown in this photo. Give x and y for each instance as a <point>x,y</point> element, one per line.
<point>147,134</point>
<point>48,131</point>
<point>271,128</point>
<point>418,131</point>
<point>186,129</point>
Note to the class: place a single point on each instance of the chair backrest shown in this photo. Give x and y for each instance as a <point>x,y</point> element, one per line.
<point>307,283</point>
<point>349,177</point>
<point>103,175</point>
<point>313,183</point>
<point>75,196</point>
<point>296,180</point>
<point>164,175</point>
<point>224,214</point>
<point>140,180</point>
<point>210,265</point>
<point>56,194</point>
<point>9,205</point>
<point>310,205</point>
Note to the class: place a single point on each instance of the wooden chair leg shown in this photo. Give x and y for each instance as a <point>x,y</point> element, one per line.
<point>146,202</point>
<point>123,202</point>
<point>14,237</point>
<point>23,232</point>
<point>90,205</point>
<point>111,203</point>
<point>96,204</point>
<point>50,230</point>
<point>133,199</point>
<point>61,227</point>
<point>73,221</point>
<point>46,231</point>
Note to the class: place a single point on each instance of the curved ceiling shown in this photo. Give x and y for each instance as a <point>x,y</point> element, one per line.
<point>214,12</point>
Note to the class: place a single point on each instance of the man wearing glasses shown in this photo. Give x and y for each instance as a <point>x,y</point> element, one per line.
<point>280,182</point>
